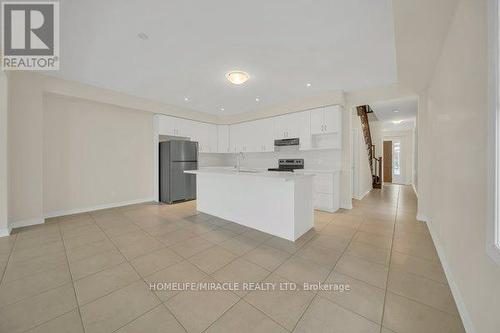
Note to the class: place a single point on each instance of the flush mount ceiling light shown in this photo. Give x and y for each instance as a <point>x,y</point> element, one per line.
<point>395,111</point>
<point>222,109</point>
<point>186,99</point>
<point>237,77</point>
<point>397,121</point>
<point>308,85</point>
<point>257,99</point>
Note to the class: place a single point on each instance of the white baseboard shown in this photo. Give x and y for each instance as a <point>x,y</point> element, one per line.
<point>414,190</point>
<point>26,223</point>
<point>462,310</point>
<point>5,231</point>
<point>421,217</point>
<point>360,197</point>
<point>98,207</point>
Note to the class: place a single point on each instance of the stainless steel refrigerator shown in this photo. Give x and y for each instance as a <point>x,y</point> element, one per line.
<point>175,158</point>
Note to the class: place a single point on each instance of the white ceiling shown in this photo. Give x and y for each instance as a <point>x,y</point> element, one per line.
<point>333,44</point>
<point>406,111</point>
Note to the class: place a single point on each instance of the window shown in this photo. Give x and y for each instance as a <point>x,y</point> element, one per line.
<point>396,159</point>
<point>493,227</point>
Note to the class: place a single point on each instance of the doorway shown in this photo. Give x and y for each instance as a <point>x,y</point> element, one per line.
<point>393,161</point>
<point>387,161</point>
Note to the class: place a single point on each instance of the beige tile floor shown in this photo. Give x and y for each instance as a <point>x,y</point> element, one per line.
<point>91,273</point>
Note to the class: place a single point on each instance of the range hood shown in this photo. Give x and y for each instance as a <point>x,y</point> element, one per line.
<point>287,142</point>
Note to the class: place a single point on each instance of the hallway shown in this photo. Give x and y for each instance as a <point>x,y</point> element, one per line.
<point>92,273</point>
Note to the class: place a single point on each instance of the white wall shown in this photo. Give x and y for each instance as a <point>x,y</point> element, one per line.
<point>94,155</point>
<point>456,141</point>
<point>4,217</point>
<point>25,140</point>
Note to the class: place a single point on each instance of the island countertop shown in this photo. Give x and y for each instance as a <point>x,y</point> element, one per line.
<point>245,172</point>
<point>277,203</point>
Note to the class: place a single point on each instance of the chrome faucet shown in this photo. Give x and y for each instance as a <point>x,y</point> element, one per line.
<point>239,157</point>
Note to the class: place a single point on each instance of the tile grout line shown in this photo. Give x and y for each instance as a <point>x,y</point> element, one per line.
<point>317,292</point>
<point>71,277</point>
<point>390,259</point>
<point>140,278</point>
<point>4,273</point>
<point>291,255</point>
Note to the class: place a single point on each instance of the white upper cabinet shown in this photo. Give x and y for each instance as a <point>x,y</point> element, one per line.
<point>167,125</point>
<point>260,135</point>
<point>236,138</point>
<point>294,125</point>
<point>326,120</point>
<point>206,135</point>
<point>223,139</point>
<point>173,126</point>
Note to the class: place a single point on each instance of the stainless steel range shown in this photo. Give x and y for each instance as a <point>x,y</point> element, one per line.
<point>289,165</point>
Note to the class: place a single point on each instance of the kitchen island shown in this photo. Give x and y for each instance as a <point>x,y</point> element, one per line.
<point>278,203</point>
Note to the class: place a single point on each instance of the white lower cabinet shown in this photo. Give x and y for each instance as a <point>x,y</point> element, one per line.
<point>326,190</point>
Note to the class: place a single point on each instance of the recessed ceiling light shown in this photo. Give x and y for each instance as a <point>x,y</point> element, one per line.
<point>396,111</point>
<point>222,109</point>
<point>186,99</point>
<point>257,99</point>
<point>237,77</point>
<point>397,121</point>
<point>142,36</point>
<point>308,85</point>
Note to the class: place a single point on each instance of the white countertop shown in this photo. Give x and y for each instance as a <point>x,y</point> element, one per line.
<point>248,172</point>
<point>265,169</point>
<point>317,170</point>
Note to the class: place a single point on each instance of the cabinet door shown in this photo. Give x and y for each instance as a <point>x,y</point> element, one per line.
<point>317,121</point>
<point>280,127</point>
<point>298,125</point>
<point>261,135</point>
<point>266,135</point>
<point>166,125</point>
<point>247,139</point>
<point>186,128</point>
<point>223,139</point>
<point>235,138</point>
<point>332,119</point>
<point>323,183</point>
<point>212,138</point>
<point>323,201</point>
<point>197,133</point>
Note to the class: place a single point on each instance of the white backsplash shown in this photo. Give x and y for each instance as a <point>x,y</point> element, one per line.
<point>313,159</point>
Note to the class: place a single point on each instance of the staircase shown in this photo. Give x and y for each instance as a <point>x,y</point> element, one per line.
<point>375,163</point>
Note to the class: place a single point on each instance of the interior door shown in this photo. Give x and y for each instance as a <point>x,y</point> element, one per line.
<point>387,161</point>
